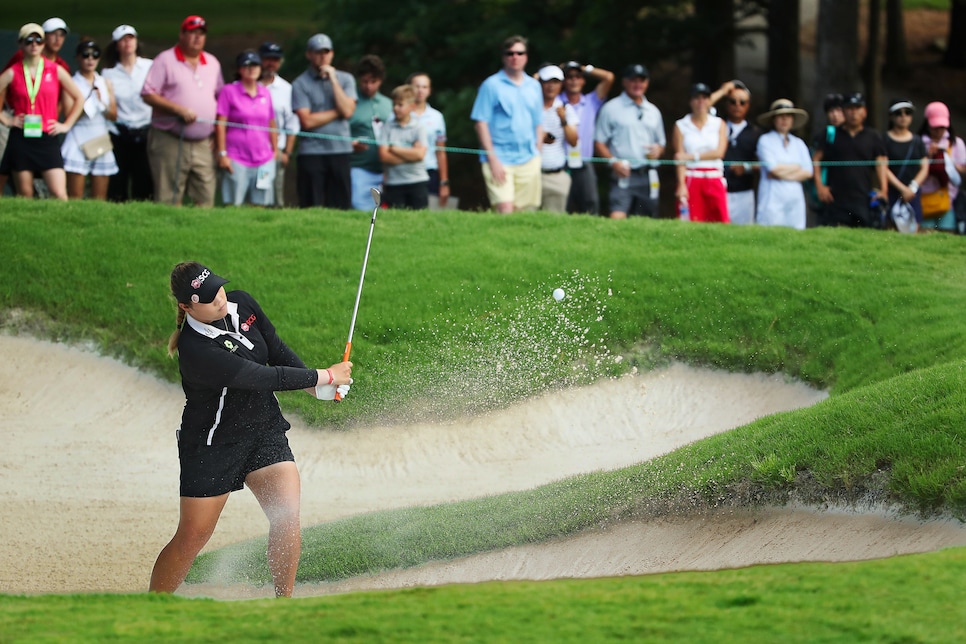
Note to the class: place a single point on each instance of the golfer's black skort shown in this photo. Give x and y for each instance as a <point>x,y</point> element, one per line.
<point>220,469</point>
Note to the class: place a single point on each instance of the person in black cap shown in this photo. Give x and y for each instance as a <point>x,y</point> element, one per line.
<point>232,433</point>
<point>629,134</point>
<point>700,141</point>
<point>286,120</point>
<point>584,197</point>
<point>857,179</point>
<point>909,166</point>
<point>834,115</point>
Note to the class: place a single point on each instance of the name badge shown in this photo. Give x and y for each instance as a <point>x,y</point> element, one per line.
<point>264,178</point>
<point>33,126</point>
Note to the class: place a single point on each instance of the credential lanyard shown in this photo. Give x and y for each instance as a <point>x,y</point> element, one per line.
<point>33,84</point>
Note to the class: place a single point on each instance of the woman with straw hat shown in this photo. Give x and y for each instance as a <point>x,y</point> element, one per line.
<point>785,164</point>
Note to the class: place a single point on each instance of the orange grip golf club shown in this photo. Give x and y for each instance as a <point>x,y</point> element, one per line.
<point>377,199</point>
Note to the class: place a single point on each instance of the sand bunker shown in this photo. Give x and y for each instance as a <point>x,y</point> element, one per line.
<point>89,477</point>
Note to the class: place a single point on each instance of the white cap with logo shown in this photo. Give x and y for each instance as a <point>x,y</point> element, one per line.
<point>53,24</point>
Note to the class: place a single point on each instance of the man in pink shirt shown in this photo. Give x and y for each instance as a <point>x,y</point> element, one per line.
<point>182,87</point>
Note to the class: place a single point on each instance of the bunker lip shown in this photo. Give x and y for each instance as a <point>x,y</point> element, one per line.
<point>89,473</point>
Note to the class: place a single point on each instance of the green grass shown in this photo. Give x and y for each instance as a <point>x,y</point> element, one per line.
<point>448,297</point>
<point>903,599</point>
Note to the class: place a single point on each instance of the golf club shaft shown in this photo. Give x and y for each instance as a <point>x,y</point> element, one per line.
<point>362,279</point>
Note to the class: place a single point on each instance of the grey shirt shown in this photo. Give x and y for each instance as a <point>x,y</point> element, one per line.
<point>404,136</point>
<point>629,129</point>
<point>315,93</point>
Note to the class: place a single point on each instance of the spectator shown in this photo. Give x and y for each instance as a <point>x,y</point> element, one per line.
<point>372,112</point>
<point>947,155</point>
<point>835,116</point>
<point>183,86</point>
<point>285,118</point>
<point>559,124</point>
<point>324,99</point>
<point>127,70</point>
<point>584,196</point>
<point>785,164</point>
<point>905,177</point>
<point>740,160</point>
<point>55,32</point>
<point>852,181</point>
<point>437,164</point>
<point>87,147</point>
<point>402,148</point>
<point>507,115</point>
<point>33,90</point>
<point>246,136</point>
<point>629,132</point>
<point>700,142</point>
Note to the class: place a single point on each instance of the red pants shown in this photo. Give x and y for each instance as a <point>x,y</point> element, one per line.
<point>708,198</point>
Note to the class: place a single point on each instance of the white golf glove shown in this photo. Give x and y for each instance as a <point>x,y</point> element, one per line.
<point>327,392</point>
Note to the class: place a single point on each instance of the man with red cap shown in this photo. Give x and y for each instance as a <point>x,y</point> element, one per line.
<point>182,87</point>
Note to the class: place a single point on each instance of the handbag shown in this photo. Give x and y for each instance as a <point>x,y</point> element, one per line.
<point>97,147</point>
<point>903,216</point>
<point>935,204</point>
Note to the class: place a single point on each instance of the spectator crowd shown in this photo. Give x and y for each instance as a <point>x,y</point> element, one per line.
<point>172,130</point>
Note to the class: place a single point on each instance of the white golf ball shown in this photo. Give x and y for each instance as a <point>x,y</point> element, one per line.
<point>558,294</point>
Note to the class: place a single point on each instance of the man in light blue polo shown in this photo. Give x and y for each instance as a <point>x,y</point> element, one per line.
<point>507,112</point>
<point>630,130</point>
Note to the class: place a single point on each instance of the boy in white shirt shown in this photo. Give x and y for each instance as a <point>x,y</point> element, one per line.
<point>402,148</point>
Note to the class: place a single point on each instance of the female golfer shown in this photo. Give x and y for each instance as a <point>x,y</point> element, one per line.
<point>232,432</point>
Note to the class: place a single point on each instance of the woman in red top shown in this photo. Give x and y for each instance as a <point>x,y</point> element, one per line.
<point>33,90</point>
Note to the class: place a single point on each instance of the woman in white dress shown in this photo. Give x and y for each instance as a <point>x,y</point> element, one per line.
<point>87,147</point>
<point>785,164</point>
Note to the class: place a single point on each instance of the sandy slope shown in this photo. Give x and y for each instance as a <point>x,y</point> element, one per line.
<point>88,477</point>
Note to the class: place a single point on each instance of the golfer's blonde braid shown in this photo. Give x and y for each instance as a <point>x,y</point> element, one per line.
<point>173,340</point>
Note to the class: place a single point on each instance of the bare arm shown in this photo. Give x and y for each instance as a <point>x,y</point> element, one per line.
<point>111,112</point>
<point>70,89</point>
<point>821,190</point>
<point>605,82</point>
<point>174,109</point>
<point>344,106</point>
<point>789,172</point>
<point>486,143</point>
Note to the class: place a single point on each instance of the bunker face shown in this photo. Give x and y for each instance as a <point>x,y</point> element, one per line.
<point>89,473</point>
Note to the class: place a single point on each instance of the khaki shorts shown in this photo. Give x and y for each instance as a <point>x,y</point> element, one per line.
<point>181,167</point>
<point>521,188</point>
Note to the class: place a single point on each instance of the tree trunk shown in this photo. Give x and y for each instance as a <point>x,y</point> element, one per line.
<point>836,52</point>
<point>783,51</point>
<point>955,44</point>
<point>896,56</point>
<point>871,67</point>
<point>714,43</point>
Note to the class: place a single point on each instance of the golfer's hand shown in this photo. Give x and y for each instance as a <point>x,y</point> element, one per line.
<point>327,392</point>
<point>341,373</point>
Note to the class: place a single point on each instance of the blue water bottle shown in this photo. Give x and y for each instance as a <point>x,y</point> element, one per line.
<point>683,211</point>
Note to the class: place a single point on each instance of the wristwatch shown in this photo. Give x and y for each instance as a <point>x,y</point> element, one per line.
<point>222,153</point>
<point>445,182</point>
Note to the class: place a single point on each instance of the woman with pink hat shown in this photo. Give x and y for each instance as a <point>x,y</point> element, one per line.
<point>947,154</point>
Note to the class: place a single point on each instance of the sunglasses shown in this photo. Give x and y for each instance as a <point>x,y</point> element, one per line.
<point>513,52</point>
<point>903,112</point>
<point>33,40</point>
<point>735,101</point>
<point>91,54</point>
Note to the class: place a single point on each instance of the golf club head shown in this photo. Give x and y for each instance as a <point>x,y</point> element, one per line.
<point>376,197</point>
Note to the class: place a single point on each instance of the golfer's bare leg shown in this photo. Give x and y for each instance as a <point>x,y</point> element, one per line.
<point>198,519</point>
<point>278,491</point>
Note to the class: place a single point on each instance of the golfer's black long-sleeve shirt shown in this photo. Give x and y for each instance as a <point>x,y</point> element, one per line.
<point>230,371</point>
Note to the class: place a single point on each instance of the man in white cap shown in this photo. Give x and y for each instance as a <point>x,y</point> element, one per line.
<point>559,124</point>
<point>55,32</point>
<point>324,99</point>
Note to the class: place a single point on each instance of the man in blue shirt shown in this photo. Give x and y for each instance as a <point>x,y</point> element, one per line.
<point>507,112</point>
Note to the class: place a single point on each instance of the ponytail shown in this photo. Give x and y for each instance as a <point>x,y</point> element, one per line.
<point>173,340</point>
<point>181,275</point>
